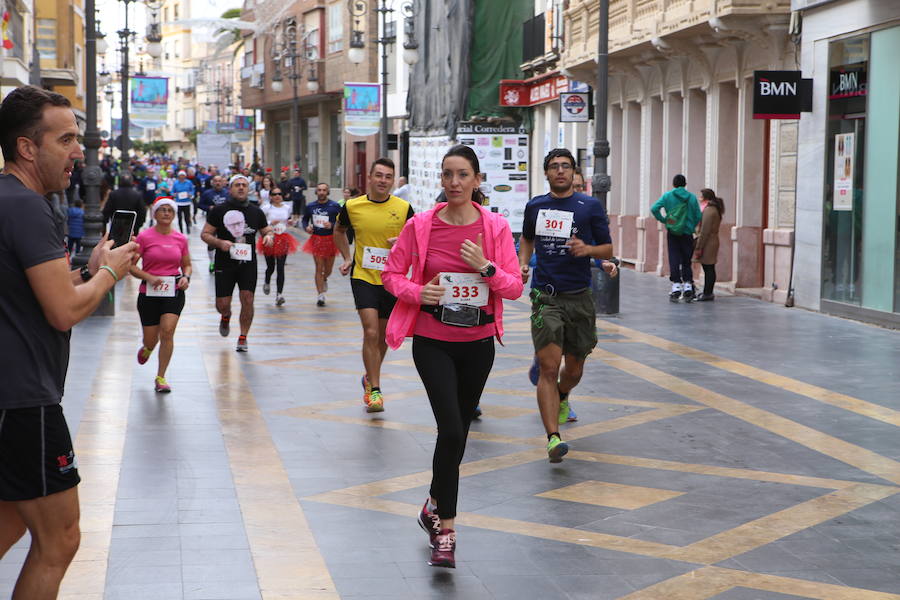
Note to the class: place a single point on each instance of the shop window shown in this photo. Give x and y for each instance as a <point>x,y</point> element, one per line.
<point>844,169</point>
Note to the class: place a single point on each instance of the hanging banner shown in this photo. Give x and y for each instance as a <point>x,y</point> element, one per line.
<point>503,152</point>
<point>149,101</point>
<point>842,198</point>
<point>362,108</point>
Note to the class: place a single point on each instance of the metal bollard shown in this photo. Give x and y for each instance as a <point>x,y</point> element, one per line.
<point>605,289</point>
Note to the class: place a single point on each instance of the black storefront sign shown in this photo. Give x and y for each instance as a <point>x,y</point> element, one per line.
<point>847,82</point>
<point>781,94</point>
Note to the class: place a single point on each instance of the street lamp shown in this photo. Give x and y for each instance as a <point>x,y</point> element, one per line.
<point>358,9</point>
<point>285,54</point>
<point>601,182</point>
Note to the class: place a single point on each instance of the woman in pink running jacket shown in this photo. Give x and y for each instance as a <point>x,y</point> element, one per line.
<point>464,263</point>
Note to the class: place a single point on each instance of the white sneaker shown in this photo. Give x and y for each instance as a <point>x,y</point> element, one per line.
<point>279,300</point>
<point>320,301</point>
<point>267,288</point>
<point>675,294</point>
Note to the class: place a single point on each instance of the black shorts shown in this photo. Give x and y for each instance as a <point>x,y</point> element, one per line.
<point>369,295</point>
<point>244,276</point>
<point>151,309</point>
<point>36,455</point>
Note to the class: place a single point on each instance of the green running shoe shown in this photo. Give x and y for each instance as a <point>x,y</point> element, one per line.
<point>376,402</point>
<point>563,411</point>
<point>556,449</point>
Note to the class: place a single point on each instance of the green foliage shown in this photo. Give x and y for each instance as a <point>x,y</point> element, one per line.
<point>192,136</point>
<point>153,147</point>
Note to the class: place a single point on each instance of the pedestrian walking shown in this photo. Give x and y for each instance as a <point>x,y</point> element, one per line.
<point>75,218</point>
<point>41,299</point>
<point>318,221</point>
<point>679,211</point>
<point>279,216</point>
<point>297,186</point>
<point>232,227</point>
<point>165,272</point>
<point>566,230</point>
<point>377,219</point>
<point>126,198</point>
<point>403,189</point>
<point>462,260</point>
<point>183,191</point>
<point>706,250</point>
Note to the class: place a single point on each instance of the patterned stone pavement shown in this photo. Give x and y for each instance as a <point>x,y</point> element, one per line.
<point>733,450</point>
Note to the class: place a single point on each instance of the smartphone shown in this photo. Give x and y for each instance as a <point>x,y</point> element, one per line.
<point>122,227</point>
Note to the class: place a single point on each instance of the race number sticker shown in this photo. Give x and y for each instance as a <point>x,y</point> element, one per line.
<point>464,288</point>
<point>320,221</point>
<point>151,185</point>
<point>279,227</point>
<point>183,195</point>
<point>554,223</point>
<point>375,258</point>
<point>240,252</point>
<point>164,289</point>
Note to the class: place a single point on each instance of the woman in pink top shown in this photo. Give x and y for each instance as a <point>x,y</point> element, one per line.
<point>166,274</point>
<point>464,263</point>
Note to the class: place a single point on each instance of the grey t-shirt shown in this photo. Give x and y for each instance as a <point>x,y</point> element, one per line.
<point>33,355</point>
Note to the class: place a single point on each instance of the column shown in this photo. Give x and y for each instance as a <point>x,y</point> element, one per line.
<point>749,256</point>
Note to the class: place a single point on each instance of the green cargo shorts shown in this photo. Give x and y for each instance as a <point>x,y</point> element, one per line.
<point>567,320</point>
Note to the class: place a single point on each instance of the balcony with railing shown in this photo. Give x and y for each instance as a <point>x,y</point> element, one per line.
<point>638,29</point>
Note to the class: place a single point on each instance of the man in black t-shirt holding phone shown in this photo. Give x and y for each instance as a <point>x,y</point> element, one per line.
<point>231,229</point>
<point>41,299</point>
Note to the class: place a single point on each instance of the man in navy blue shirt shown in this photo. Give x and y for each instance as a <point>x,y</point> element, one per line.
<point>214,196</point>
<point>566,229</point>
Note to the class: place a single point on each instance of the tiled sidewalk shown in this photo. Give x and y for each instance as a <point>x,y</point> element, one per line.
<point>733,450</point>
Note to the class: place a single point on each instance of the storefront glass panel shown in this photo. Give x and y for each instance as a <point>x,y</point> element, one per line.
<point>844,171</point>
<point>879,223</point>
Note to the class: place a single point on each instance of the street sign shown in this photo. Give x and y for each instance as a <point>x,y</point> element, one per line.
<point>574,107</point>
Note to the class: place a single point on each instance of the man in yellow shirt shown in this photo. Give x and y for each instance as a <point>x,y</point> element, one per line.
<point>377,218</point>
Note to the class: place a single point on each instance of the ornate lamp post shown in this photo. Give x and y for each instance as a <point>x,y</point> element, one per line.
<point>356,54</point>
<point>286,57</point>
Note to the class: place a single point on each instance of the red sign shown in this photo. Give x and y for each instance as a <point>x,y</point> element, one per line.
<point>531,92</point>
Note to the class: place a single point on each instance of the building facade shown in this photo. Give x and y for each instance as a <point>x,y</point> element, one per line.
<point>293,73</point>
<point>848,217</point>
<point>680,101</point>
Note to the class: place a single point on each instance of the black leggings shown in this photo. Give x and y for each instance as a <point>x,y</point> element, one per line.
<point>454,374</point>
<point>271,263</point>
<point>184,212</point>
<point>709,279</point>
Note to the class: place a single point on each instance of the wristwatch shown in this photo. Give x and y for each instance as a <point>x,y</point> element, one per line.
<point>85,273</point>
<point>489,271</point>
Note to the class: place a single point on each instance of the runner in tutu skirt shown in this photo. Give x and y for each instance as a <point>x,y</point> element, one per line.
<point>318,220</point>
<point>279,216</point>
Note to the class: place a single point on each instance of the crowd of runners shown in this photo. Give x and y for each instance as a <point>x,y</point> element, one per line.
<point>438,277</point>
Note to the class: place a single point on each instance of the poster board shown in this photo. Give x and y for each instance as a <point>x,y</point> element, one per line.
<point>214,149</point>
<point>503,153</point>
<point>842,198</point>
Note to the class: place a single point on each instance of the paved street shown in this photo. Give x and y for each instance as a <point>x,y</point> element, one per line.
<point>734,450</point>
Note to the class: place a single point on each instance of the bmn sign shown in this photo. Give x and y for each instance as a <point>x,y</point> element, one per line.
<point>780,94</point>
